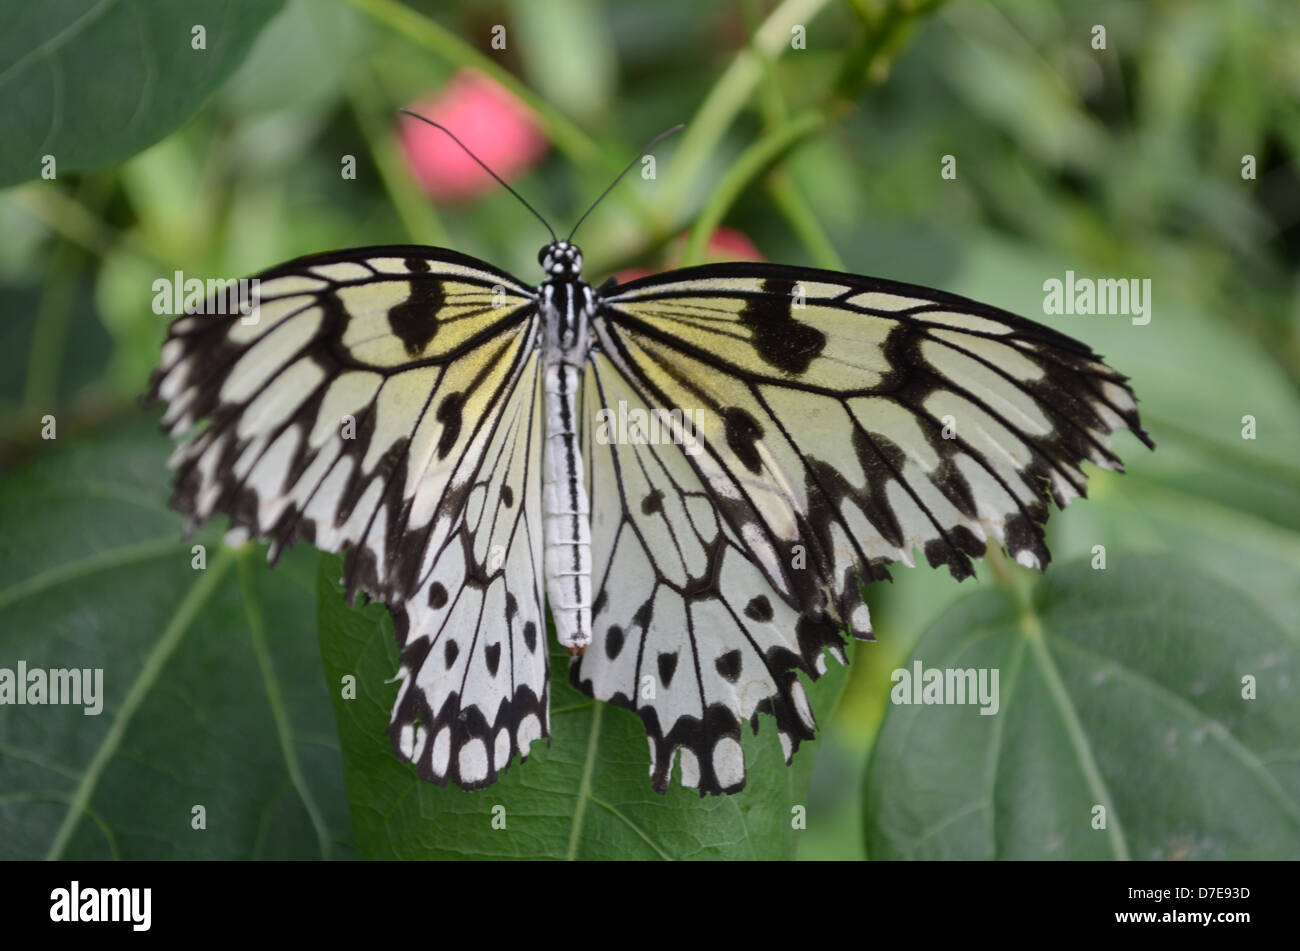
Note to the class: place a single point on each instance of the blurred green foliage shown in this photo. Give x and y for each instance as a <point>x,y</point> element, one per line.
<point>1125,162</point>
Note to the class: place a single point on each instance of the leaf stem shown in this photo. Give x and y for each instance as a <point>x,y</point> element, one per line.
<point>275,700</point>
<point>584,785</point>
<point>1031,626</point>
<point>150,671</point>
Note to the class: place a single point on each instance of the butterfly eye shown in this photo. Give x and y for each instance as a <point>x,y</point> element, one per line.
<point>544,257</point>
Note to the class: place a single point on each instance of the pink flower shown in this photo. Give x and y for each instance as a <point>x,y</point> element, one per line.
<point>484,115</point>
<point>728,244</point>
<point>631,274</point>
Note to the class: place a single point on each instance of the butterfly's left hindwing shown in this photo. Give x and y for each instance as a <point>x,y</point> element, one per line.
<point>383,402</point>
<point>840,423</point>
<point>474,688</point>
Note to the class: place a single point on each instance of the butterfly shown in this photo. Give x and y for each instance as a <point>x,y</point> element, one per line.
<point>696,471</point>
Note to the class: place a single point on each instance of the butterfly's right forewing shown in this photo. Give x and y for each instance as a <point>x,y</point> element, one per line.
<point>384,402</point>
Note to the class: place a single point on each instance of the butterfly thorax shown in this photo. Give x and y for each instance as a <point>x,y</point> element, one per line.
<point>567,306</point>
<point>567,303</point>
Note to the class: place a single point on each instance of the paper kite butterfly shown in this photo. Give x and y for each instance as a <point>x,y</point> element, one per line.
<point>696,471</point>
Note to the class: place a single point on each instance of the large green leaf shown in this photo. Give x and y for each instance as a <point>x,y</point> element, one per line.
<point>586,796</point>
<point>212,690</point>
<point>1120,688</point>
<point>92,82</point>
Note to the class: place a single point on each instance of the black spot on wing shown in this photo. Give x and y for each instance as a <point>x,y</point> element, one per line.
<point>450,653</point>
<point>449,414</point>
<point>667,667</point>
<point>613,642</point>
<point>728,666</point>
<point>759,608</point>
<point>492,654</point>
<point>530,637</point>
<point>743,433</point>
<point>415,320</point>
<point>653,502</point>
<point>507,496</point>
<point>437,595</point>
<point>781,340</point>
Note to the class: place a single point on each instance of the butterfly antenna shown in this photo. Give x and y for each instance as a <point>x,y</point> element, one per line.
<point>416,115</point>
<point>651,144</point>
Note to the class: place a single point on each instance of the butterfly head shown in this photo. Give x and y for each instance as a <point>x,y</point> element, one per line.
<point>561,261</point>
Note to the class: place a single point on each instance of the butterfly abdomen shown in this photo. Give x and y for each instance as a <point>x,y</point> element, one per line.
<point>566,517</point>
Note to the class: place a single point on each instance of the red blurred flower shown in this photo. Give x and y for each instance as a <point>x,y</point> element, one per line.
<point>725,244</point>
<point>484,115</point>
<point>728,244</point>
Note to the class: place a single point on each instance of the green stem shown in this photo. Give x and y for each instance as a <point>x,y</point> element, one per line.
<point>1003,571</point>
<point>877,48</point>
<point>52,316</point>
<point>419,217</point>
<point>72,219</point>
<point>728,97</point>
<point>771,101</point>
<point>792,204</point>
<point>752,162</point>
<point>782,189</point>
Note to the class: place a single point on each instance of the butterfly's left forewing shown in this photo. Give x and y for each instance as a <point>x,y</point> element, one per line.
<point>384,402</point>
<point>840,424</point>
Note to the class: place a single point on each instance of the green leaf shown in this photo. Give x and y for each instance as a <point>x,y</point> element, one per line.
<point>211,689</point>
<point>585,796</point>
<point>1120,688</point>
<point>93,83</point>
<point>302,63</point>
